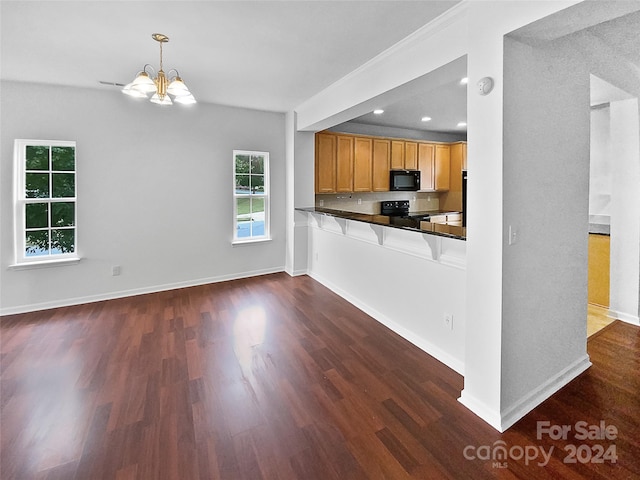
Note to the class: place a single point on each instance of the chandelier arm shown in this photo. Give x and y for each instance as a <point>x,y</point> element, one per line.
<point>153,70</point>
<point>169,74</point>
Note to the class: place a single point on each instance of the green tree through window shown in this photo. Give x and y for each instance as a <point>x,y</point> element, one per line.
<point>251,192</point>
<point>47,200</point>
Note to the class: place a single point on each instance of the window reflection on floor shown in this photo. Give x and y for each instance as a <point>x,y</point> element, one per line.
<point>249,329</point>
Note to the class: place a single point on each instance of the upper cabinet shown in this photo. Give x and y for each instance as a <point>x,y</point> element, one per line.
<point>325,163</point>
<point>433,163</point>
<point>397,155</point>
<point>362,173</point>
<point>381,165</point>
<point>410,155</point>
<point>360,163</point>
<point>344,163</point>
<point>425,165</point>
<point>452,200</point>
<point>441,168</point>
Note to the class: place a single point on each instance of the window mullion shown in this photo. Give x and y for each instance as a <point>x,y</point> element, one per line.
<point>49,213</point>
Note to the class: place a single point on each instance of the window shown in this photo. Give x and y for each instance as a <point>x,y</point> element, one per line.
<point>45,190</point>
<point>251,196</point>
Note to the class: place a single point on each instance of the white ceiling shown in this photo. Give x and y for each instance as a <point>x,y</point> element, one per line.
<point>440,96</point>
<point>266,55</point>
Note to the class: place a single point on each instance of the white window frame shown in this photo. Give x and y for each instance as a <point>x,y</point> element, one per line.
<point>266,197</point>
<point>21,201</point>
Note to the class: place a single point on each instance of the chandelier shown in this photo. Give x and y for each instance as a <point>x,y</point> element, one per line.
<point>162,87</point>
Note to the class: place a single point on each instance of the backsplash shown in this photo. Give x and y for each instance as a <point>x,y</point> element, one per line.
<point>370,201</point>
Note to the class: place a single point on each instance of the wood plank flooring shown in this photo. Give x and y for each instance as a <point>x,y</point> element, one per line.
<point>597,318</point>
<point>276,377</point>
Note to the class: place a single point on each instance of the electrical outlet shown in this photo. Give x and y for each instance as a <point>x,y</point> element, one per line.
<point>115,270</point>
<point>359,201</point>
<point>322,203</point>
<point>448,320</point>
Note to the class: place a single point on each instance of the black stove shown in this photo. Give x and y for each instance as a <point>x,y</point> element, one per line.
<point>394,208</point>
<point>398,213</point>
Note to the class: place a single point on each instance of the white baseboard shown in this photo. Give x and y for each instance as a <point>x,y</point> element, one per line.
<point>487,414</point>
<point>296,273</point>
<point>408,335</point>
<point>625,317</point>
<point>504,419</point>
<point>132,292</point>
<point>534,398</point>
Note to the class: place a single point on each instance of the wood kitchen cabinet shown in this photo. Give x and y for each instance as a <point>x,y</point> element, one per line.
<point>397,155</point>
<point>325,163</point>
<point>425,165</point>
<point>362,174</point>
<point>411,155</point>
<point>381,165</point>
<point>360,163</point>
<point>434,165</point>
<point>442,168</point>
<point>452,200</point>
<point>464,155</point>
<point>344,164</point>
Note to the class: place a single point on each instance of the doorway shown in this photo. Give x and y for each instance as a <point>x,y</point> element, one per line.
<point>614,158</point>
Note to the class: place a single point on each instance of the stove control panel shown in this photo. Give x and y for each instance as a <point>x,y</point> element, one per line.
<point>394,207</point>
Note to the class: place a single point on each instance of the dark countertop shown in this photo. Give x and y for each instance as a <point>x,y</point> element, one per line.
<point>440,229</point>
<point>599,229</point>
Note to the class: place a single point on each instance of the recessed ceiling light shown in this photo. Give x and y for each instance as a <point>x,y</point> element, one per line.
<point>464,81</point>
<point>378,111</point>
<point>462,124</point>
<point>425,119</point>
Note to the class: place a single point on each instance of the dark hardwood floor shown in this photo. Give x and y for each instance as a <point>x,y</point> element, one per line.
<point>276,377</point>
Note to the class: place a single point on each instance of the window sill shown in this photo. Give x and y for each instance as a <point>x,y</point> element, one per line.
<point>250,241</point>
<point>61,262</point>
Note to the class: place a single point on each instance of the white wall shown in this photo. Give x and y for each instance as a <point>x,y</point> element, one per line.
<point>154,193</point>
<point>300,193</point>
<point>625,211</point>
<point>600,167</point>
<point>392,275</point>
<point>614,199</point>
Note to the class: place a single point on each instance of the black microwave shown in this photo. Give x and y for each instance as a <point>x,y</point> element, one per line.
<point>404,180</point>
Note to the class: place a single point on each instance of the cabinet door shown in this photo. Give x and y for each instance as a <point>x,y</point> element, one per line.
<point>344,164</point>
<point>425,165</point>
<point>452,200</point>
<point>457,155</point>
<point>411,155</point>
<point>397,155</point>
<point>325,163</point>
<point>464,156</point>
<point>381,159</point>
<point>362,165</point>
<point>442,169</point>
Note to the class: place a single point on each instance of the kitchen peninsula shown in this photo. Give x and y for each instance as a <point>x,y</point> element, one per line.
<point>404,223</point>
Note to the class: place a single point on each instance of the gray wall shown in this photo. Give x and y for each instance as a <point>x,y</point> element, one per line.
<point>393,132</point>
<point>546,187</point>
<point>154,193</point>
